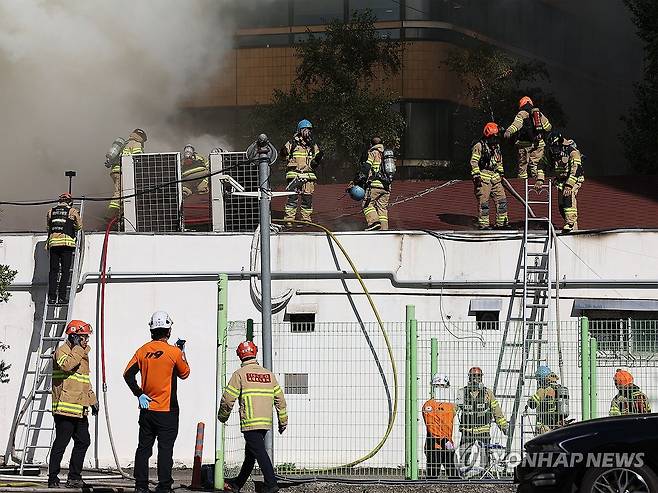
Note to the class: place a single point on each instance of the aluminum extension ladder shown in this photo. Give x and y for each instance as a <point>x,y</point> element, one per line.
<point>526,331</point>
<point>34,422</point>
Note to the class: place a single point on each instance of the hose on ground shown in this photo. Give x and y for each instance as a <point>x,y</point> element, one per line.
<point>391,420</point>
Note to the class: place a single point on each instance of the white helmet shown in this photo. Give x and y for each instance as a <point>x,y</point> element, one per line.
<point>440,380</point>
<point>188,151</point>
<point>160,320</point>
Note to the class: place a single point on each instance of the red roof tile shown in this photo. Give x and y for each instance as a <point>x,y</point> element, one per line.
<point>603,203</point>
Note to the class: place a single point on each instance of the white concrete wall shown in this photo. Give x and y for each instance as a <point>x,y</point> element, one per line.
<point>336,433</point>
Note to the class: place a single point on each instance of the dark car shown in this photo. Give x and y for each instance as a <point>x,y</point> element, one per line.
<point>612,455</point>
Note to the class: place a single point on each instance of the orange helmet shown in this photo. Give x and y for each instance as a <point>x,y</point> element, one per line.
<point>246,349</point>
<point>623,378</point>
<point>65,197</point>
<point>490,129</point>
<point>78,327</point>
<point>525,100</point>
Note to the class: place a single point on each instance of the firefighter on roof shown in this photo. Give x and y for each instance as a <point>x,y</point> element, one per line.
<point>196,169</point>
<point>257,390</point>
<point>487,173</point>
<point>530,125</point>
<point>134,145</point>
<point>302,156</point>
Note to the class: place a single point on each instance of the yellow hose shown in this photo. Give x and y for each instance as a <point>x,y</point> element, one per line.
<point>391,419</point>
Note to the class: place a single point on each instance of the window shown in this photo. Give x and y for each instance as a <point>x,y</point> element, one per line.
<point>307,13</point>
<point>263,14</point>
<point>429,132</point>
<point>302,322</point>
<point>488,320</point>
<point>296,383</point>
<point>625,339</point>
<point>384,10</point>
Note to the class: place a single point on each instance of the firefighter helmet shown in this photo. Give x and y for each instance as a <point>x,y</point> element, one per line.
<point>304,124</point>
<point>160,320</point>
<point>475,375</point>
<point>78,327</point>
<point>188,151</point>
<point>623,378</point>
<point>542,372</point>
<point>141,134</point>
<point>491,129</point>
<point>525,100</point>
<point>246,350</point>
<point>65,197</point>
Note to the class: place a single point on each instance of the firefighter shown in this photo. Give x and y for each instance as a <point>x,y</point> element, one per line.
<point>564,157</point>
<point>551,411</point>
<point>629,399</point>
<point>160,365</point>
<point>194,166</point>
<point>479,408</point>
<point>72,399</point>
<point>134,145</point>
<point>530,124</point>
<point>487,173</point>
<point>63,222</point>
<point>302,156</point>
<point>377,183</point>
<point>257,390</point>
<point>439,415</point>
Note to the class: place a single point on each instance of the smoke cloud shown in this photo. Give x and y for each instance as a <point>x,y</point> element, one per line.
<point>75,74</point>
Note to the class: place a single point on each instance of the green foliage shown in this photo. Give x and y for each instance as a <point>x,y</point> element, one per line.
<point>640,137</point>
<point>338,88</point>
<point>493,82</point>
<point>6,277</point>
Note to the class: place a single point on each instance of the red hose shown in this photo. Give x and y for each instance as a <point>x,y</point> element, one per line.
<point>103,282</point>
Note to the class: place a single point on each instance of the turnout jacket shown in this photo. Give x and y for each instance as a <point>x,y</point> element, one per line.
<point>486,162</point>
<point>523,125</point>
<point>479,408</point>
<point>257,390</point>
<point>630,400</point>
<point>63,222</point>
<point>568,164</point>
<point>71,384</point>
<point>135,145</point>
<point>301,158</point>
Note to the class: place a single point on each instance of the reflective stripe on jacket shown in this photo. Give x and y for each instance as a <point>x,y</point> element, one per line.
<point>523,121</point>
<point>375,157</point>
<point>133,146</point>
<point>630,401</point>
<point>257,390</point>
<point>300,158</point>
<point>479,408</point>
<point>71,384</point>
<point>486,162</point>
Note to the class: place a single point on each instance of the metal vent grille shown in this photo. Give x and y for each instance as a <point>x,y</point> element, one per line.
<point>241,213</point>
<point>296,383</point>
<point>159,210</point>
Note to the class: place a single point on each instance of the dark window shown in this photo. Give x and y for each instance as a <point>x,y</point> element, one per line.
<point>296,383</point>
<point>488,320</point>
<point>429,131</point>
<point>265,14</point>
<point>384,10</point>
<point>260,40</point>
<point>302,322</point>
<point>314,12</point>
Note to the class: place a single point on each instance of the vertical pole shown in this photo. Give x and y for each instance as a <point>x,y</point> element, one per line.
<point>410,315</point>
<point>220,383</point>
<point>584,368</point>
<point>434,360</point>
<point>413,381</point>
<point>593,406</point>
<point>250,329</point>
<point>264,152</point>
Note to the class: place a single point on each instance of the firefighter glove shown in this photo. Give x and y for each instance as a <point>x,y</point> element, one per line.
<point>282,428</point>
<point>94,409</point>
<point>507,134</point>
<point>180,344</point>
<point>144,401</point>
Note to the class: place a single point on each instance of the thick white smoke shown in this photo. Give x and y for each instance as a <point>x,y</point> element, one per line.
<point>75,74</point>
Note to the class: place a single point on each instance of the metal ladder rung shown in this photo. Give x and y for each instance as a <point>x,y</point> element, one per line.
<point>53,339</point>
<point>37,446</point>
<point>537,305</point>
<point>536,219</point>
<point>532,268</point>
<point>537,254</point>
<point>537,202</point>
<point>46,356</point>
<point>510,370</point>
<point>54,321</point>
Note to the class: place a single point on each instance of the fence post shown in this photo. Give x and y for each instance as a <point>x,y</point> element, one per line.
<point>434,360</point>
<point>222,325</point>
<point>250,329</point>
<point>413,381</point>
<point>593,406</point>
<point>410,315</point>
<point>585,369</point>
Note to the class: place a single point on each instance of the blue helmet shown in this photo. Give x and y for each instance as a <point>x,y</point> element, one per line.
<point>356,192</point>
<point>542,372</point>
<point>304,124</point>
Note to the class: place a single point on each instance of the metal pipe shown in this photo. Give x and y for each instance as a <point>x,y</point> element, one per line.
<point>220,383</point>
<point>243,275</point>
<point>434,360</point>
<point>584,368</point>
<point>593,393</point>
<point>409,316</point>
<point>413,381</point>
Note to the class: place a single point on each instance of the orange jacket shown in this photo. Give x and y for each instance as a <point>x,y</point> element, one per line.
<point>160,364</point>
<point>439,417</point>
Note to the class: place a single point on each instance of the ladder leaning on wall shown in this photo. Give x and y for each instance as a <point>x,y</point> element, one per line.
<point>33,422</point>
<point>526,326</point>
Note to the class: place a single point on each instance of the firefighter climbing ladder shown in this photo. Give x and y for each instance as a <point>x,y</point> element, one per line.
<point>33,418</point>
<point>525,331</point>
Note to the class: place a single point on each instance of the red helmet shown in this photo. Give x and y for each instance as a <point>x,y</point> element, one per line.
<point>246,349</point>
<point>476,370</point>
<point>525,100</point>
<point>490,129</point>
<point>78,327</point>
<point>65,197</point>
